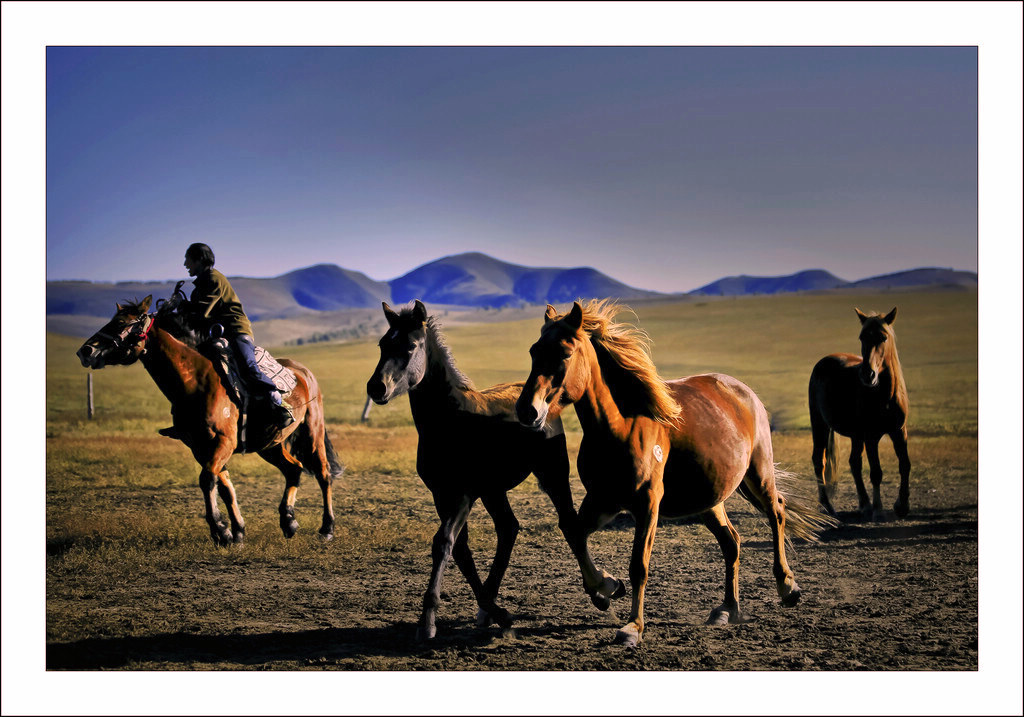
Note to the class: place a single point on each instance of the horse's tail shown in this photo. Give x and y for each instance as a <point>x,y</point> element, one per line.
<point>830,473</point>
<point>337,467</point>
<point>804,518</point>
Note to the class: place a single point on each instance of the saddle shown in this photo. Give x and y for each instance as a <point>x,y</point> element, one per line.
<point>218,350</point>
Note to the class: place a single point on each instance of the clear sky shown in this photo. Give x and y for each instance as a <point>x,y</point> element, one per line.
<point>664,167</point>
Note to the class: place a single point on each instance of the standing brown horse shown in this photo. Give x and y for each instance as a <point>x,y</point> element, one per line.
<point>863,397</point>
<point>471,446</point>
<point>655,448</point>
<point>206,419</point>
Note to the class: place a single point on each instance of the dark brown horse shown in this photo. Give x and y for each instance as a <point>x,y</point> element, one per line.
<point>206,419</point>
<point>471,446</point>
<point>863,397</point>
<point>655,448</point>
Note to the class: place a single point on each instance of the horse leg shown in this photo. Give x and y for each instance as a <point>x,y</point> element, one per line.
<point>899,443</point>
<point>325,480</point>
<point>212,466</point>
<point>279,457</point>
<point>823,442</point>
<point>453,517</point>
<point>314,459</point>
<point>761,483</point>
<point>875,466</point>
<point>227,494</point>
<point>506,526</point>
<point>856,468</point>
<point>729,540</point>
<point>599,585</point>
<point>646,514</point>
<point>219,530</point>
<point>553,479</point>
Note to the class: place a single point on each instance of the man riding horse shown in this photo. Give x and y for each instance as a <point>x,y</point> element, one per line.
<point>213,301</point>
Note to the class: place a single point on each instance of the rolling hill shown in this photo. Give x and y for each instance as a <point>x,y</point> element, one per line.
<point>810,280</point>
<point>345,303</point>
<point>476,279</point>
<point>918,277</point>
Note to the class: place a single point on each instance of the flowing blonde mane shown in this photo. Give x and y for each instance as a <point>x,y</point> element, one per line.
<point>892,362</point>
<point>632,372</point>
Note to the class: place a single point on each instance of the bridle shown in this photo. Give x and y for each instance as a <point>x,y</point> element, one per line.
<point>133,333</point>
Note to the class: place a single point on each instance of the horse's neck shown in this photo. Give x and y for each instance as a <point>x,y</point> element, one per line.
<point>171,364</point>
<point>597,410</point>
<point>440,389</point>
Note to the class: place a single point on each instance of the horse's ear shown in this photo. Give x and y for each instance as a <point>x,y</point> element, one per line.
<point>389,314</point>
<point>144,306</point>
<point>550,314</point>
<point>574,319</point>
<point>419,311</point>
<point>119,307</point>
<point>861,315</point>
<point>891,316</point>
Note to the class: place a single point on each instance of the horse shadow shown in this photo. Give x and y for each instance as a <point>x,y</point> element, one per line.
<point>311,648</point>
<point>925,527</point>
<point>348,648</point>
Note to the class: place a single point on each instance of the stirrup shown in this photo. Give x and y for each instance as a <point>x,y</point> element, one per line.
<point>284,417</point>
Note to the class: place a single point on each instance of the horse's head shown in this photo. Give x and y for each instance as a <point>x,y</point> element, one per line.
<point>403,354</point>
<point>557,369</point>
<point>876,341</point>
<point>123,338</point>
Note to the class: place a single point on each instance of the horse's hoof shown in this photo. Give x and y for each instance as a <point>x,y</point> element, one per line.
<point>501,616</point>
<point>878,516</point>
<point>792,599</point>
<point>483,618</point>
<point>603,602</point>
<point>509,633</point>
<point>718,616</point>
<point>425,632</point>
<point>628,636</point>
<point>289,527</point>
<point>901,509</point>
<point>324,537</point>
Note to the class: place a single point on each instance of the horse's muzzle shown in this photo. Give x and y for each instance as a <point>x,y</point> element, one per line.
<point>529,416</point>
<point>89,356</point>
<point>868,377</point>
<point>377,391</point>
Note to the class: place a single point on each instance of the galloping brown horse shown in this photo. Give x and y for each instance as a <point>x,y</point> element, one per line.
<point>471,446</point>
<point>655,448</point>
<point>206,419</point>
<point>863,397</point>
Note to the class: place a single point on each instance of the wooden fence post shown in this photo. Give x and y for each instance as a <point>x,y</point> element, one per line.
<point>88,385</point>
<point>366,410</point>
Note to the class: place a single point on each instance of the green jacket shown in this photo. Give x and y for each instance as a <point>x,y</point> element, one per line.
<point>213,301</point>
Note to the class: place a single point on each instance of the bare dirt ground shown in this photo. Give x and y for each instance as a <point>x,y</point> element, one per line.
<point>889,595</point>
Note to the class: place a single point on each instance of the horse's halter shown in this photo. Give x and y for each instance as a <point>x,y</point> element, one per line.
<point>133,333</point>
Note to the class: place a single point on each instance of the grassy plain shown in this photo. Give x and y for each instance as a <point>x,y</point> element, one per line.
<point>123,511</point>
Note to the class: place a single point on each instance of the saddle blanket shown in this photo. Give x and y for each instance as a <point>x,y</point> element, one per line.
<point>282,377</point>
